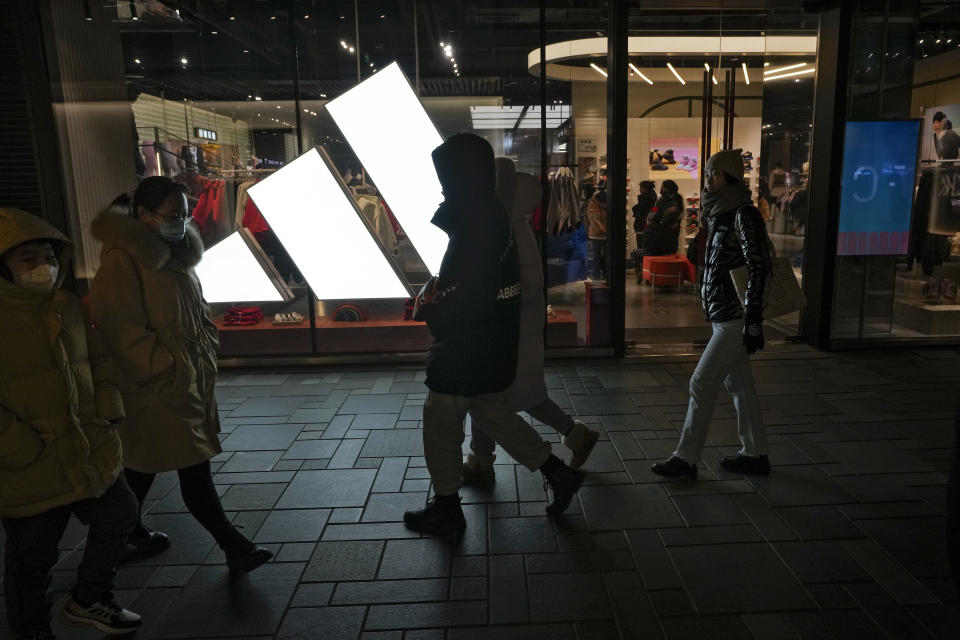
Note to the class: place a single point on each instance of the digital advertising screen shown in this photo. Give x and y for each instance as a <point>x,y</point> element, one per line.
<point>879,167</point>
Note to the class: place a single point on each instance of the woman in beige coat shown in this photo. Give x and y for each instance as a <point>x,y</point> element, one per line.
<point>148,307</point>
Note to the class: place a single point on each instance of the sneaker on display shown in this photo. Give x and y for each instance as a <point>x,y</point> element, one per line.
<point>107,616</point>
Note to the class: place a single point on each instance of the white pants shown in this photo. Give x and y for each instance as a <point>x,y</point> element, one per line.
<point>724,361</point>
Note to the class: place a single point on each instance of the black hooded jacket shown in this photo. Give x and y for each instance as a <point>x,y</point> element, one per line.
<point>475,315</point>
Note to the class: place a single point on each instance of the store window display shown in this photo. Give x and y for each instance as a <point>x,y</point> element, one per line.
<point>899,279</point>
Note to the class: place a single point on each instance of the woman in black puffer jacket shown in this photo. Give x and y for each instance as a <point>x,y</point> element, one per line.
<point>736,237</point>
<point>662,233</point>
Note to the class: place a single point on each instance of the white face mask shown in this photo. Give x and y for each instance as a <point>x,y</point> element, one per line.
<point>40,279</point>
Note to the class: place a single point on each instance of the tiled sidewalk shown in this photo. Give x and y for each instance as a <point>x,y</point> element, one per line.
<point>844,540</point>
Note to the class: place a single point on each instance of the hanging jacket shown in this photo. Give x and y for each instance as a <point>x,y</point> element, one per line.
<point>148,308</point>
<point>58,391</point>
<point>474,316</point>
<point>734,238</point>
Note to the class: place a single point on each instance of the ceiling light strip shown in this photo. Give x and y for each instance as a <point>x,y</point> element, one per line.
<point>770,72</point>
<point>670,66</point>
<point>791,74</point>
<point>599,70</point>
<point>640,73</point>
<point>746,74</point>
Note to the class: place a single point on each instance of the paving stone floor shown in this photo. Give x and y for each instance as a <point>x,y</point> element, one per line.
<point>844,540</point>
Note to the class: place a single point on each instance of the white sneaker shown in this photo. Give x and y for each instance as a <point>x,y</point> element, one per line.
<point>108,617</point>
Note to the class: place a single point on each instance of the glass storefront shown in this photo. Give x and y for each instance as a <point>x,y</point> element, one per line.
<point>701,82</point>
<point>901,282</point>
<point>301,131</point>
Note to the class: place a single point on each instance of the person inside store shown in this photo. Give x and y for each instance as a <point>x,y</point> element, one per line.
<point>946,141</point>
<point>472,309</point>
<point>736,236</point>
<point>597,233</point>
<point>661,235</point>
<point>147,306</point>
<point>60,453</point>
<point>519,193</point>
<point>646,200</point>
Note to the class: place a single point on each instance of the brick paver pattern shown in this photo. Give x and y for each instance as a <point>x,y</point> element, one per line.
<point>844,540</point>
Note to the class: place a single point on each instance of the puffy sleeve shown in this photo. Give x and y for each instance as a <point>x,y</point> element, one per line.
<point>117,305</point>
<point>752,235</point>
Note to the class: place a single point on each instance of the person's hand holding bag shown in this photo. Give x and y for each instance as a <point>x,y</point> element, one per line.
<point>753,330</point>
<point>426,296</point>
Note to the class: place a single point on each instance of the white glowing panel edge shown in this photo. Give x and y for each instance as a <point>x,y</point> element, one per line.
<point>393,136</point>
<point>229,272</point>
<point>320,227</point>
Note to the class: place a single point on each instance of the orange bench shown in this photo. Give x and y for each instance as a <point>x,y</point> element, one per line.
<point>668,270</point>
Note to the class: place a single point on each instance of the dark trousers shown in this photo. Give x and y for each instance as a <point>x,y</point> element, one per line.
<point>31,551</point>
<point>599,267</point>
<point>200,496</point>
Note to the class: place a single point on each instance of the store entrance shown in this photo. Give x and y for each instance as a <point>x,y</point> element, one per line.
<point>699,84</point>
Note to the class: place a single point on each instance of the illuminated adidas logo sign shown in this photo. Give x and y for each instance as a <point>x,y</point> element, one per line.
<point>316,218</point>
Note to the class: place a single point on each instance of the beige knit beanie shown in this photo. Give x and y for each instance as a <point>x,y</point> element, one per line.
<point>729,161</point>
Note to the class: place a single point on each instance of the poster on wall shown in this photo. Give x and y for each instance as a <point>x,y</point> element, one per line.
<point>675,158</point>
<point>879,161</point>
<point>586,145</point>
<point>938,198</point>
<point>587,170</point>
<point>940,140</point>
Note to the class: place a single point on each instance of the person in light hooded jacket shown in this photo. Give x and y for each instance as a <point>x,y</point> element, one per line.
<point>59,450</point>
<point>519,193</point>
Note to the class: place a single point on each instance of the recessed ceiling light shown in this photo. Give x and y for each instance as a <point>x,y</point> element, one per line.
<point>183,61</point>
<point>351,49</point>
<point>136,60</point>
<point>213,33</point>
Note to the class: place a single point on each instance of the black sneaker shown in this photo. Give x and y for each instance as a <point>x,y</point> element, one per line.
<point>441,517</point>
<point>675,467</point>
<point>749,465</point>
<point>564,483</point>
<point>107,616</point>
<point>144,542</point>
<point>248,560</point>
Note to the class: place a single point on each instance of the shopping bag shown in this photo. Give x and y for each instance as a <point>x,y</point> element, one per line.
<point>783,293</point>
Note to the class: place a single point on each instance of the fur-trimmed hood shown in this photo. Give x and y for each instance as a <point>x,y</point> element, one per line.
<point>120,231</point>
